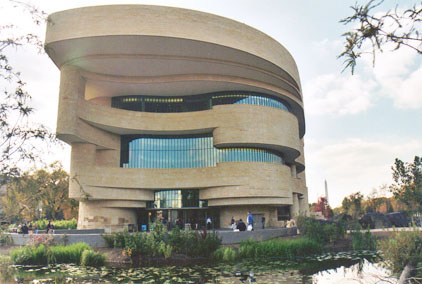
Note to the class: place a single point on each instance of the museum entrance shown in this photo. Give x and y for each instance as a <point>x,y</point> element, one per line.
<point>178,207</point>
<point>189,218</point>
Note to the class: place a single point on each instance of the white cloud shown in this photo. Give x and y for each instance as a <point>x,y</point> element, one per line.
<point>338,95</point>
<point>398,75</point>
<point>354,165</point>
<point>408,95</point>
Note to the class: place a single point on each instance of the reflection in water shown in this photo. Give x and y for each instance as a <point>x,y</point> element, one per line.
<point>365,272</point>
<point>329,268</point>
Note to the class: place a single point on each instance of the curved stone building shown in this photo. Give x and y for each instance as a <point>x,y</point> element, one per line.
<point>173,113</point>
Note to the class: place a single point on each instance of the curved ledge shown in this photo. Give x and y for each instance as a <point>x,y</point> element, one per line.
<point>164,22</point>
<point>253,180</point>
<point>232,125</point>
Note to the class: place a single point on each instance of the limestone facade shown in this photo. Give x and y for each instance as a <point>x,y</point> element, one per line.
<point>136,50</point>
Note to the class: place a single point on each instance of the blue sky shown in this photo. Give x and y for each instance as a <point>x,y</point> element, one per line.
<point>356,125</point>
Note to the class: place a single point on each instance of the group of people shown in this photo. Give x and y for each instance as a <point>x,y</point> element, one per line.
<point>33,229</point>
<point>241,226</point>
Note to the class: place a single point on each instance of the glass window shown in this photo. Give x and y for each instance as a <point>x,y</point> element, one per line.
<point>194,151</point>
<point>283,213</point>
<point>195,102</point>
<point>177,198</point>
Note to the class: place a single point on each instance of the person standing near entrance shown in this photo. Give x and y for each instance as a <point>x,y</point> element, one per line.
<point>209,223</point>
<point>250,220</point>
<point>263,222</point>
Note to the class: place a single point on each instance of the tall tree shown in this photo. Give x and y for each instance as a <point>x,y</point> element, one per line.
<point>46,189</point>
<point>17,131</point>
<point>407,185</point>
<point>394,29</point>
<point>353,204</point>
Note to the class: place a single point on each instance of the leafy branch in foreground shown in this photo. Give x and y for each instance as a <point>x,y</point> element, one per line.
<point>17,131</point>
<point>398,27</point>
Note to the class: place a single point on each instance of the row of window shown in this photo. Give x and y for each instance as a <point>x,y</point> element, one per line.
<point>177,198</point>
<point>195,103</point>
<point>186,152</point>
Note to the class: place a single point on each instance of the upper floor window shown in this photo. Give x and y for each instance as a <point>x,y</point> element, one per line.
<point>196,102</point>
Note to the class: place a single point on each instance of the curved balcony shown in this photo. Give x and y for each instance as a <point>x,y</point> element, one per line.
<point>232,125</point>
<point>225,181</point>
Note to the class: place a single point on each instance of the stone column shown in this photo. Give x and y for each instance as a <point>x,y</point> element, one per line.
<point>72,88</point>
<point>294,209</point>
<point>293,170</point>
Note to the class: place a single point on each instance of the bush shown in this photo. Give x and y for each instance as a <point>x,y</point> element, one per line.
<point>58,225</point>
<point>43,255</point>
<point>363,241</point>
<point>69,254</point>
<point>227,254</point>
<point>289,249</point>
<point>403,248</point>
<point>160,242</point>
<point>25,256</point>
<point>319,231</point>
<point>5,240</point>
<point>92,258</point>
<point>280,248</point>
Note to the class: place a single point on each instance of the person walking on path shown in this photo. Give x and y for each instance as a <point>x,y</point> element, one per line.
<point>250,220</point>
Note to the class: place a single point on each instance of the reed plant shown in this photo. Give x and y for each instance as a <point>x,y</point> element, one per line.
<point>92,258</point>
<point>226,254</point>
<point>43,255</point>
<point>288,249</point>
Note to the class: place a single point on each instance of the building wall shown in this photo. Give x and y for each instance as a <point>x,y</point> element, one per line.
<point>164,52</point>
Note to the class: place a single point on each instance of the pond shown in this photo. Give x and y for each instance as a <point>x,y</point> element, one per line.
<point>352,267</point>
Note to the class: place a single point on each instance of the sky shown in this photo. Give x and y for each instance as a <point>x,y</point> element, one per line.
<point>356,125</point>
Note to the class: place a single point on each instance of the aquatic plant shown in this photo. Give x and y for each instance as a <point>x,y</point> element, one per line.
<point>42,254</point>
<point>401,249</point>
<point>161,243</point>
<point>227,254</point>
<point>92,258</point>
<point>288,249</point>
<point>363,240</point>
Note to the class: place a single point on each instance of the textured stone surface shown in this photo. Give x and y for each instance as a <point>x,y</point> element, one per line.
<point>118,50</point>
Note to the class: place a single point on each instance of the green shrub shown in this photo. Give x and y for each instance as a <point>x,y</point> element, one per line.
<point>165,250</point>
<point>5,240</point>
<point>160,242</point>
<point>109,239</point>
<point>58,225</point>
<point>289,249</point>
<point>401,249</point>
<point>227,254</point>
<point>363,241</point>
<point>24,256</point>
<point>92,258</point>
<point>70,253</point>
<point>321,232</point>
<point>42,254</point>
